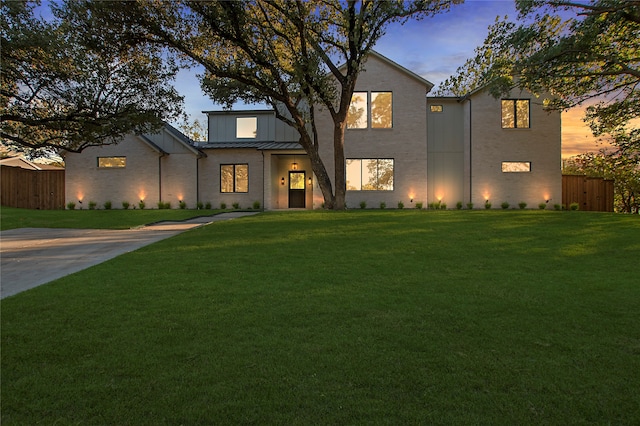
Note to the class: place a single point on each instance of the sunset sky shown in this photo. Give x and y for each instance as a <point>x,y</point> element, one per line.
<point>433,48</point>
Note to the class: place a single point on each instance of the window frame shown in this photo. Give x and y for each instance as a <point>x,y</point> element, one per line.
<point>514,110</point>
<point>234,178</point>
<point>378,92</point>
<point>436,109</point>
<point>362,175</point>
<point>112,157</point>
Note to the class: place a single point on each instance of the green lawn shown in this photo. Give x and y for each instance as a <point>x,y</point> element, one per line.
<point>367,317</point>
<point>11,218</point>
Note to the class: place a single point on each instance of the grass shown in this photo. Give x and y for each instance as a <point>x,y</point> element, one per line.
<point>12,218</point>
<point>367,317</point>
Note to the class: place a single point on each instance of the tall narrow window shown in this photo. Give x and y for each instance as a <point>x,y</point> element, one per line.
<point>246,127</point>
<point>357,115</point>
<point>381,110</point>
<point>112,162</point>
<point>515,113</point>
<point>234,178</point>
<point>370,174</point>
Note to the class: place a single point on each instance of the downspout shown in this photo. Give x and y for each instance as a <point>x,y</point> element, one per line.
<point>198,179</point>
<point>470,153</point>
<point>263,182</point>
<point>160,178</point>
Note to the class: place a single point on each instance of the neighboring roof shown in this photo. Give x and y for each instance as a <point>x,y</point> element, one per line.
<point>23,163</point>
<point>260,146</point>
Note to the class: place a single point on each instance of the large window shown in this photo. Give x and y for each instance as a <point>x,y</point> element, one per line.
<point>112,162</point>
<point>515,113</point>
<point>381,113</point>
<point>234,178</point>
<point>375,174</point>
<point>516,166</point>
<point>246,127</point>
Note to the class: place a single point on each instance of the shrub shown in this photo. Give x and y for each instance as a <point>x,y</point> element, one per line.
<point>419,206</point>
<point>107,205</point>
<point>383,205</point>
<point>182,204</point>
<point>470,206</point>
<point>443,206</point>
<point>141,205</point>
<point>459,205</point>
<point>223,206</point>
<point>199,205</point>
<point>125,205</point>
<point>92,205</point>
<point>435,205</point>
<point>400,205</point>
<point>522,205</point>
<point>208,205</point>
<point>71,205</point>
<point>542,206</point>
<point>504,205</point>
<point>256,205</point>
<point>236,205</point>
<point>162,205</point>
<point>557,207</point>
<point>487,205</point>
<point>574,206</point>
<point>363,204</point>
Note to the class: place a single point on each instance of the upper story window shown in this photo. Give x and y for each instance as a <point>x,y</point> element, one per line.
<point>373,174</point>
<point>112,162</point>
<point>436,108</point>
<point>515,114</point>
<point>246,127</point>
<point>380,114</point>
<point>381,110</point>
<point>516,166</point>
<point>357,115</point>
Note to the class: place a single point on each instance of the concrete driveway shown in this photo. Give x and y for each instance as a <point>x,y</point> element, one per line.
<point>30,257</point>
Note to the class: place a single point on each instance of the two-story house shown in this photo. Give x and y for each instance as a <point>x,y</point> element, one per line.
<point>400,146</point>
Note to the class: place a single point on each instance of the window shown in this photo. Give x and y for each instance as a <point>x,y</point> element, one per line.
<point>234,178</point>
<point>370,174</point>
<point>516,166</point>
<point>246,127</point>
<point>357,115</point>
<point>436,108</point>
<point>381,113</point>
<point>381,110</point>
<point>515,113</point>
<point>112,162</point>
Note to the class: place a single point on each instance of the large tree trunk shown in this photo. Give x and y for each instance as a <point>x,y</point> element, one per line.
<point>340,167</point>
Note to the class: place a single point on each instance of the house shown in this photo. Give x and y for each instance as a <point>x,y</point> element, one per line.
<point>400,146</point>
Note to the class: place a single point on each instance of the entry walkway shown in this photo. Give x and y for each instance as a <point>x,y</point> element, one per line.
<point>30,257</point>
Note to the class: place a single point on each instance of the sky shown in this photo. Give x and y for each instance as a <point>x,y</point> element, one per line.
<point>432,48</point>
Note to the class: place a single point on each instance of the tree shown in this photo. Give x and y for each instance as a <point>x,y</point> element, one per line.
<point>286,54</point>
<point>70,89</point>
<point>578,51</point>
<point>624,171</point>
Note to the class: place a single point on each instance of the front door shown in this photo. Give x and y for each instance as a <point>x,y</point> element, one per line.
<point>297,190</point>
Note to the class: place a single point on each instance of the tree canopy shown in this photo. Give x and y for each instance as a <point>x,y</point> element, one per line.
<point>291,55</point>
<point>577,51</point>
<point>72,87</point>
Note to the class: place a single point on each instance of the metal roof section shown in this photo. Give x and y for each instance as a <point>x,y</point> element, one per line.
<point>153,145</point>
<point>239,111</point>
<point>260,146</point>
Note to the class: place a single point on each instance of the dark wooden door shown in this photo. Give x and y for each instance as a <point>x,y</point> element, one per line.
<point>297,190</point>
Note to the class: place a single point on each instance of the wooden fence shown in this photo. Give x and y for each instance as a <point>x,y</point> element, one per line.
<point>592,194</point>
<point>32,189</point>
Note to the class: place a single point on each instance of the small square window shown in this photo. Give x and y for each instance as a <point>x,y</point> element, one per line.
<point>515,114</point>
<point>246,127</point>
<point>436,108</point>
